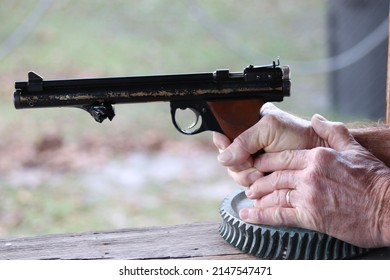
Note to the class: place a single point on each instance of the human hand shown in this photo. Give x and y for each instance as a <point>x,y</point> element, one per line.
<point>275,132</point>
<point>343,190</point>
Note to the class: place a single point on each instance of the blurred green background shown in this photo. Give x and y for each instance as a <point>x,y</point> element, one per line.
<point>60,171</point>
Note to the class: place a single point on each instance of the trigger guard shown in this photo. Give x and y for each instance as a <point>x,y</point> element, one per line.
<point>191,129</point>
<point>200,108</point>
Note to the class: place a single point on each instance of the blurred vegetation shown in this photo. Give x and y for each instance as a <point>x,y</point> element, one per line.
<point>75,39</point>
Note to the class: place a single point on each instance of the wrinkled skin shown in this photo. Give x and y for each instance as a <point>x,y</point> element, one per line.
<point>336,186</point>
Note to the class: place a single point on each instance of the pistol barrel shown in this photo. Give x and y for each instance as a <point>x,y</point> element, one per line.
<point>270,83</point>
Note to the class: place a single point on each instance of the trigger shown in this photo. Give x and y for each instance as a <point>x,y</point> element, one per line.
<point>203,114</point>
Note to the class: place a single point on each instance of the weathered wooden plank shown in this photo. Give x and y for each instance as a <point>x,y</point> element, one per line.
<point>192,241</point>
<point>184,241</point>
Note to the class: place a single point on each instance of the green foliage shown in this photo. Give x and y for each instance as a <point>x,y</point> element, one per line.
<point>75,39</point>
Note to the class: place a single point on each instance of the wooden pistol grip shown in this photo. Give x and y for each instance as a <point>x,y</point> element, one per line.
<point>236,116</point>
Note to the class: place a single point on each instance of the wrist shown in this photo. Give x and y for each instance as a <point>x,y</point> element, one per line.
<point>384,212</point>
<point>376,139</point>
<point>386,222</point>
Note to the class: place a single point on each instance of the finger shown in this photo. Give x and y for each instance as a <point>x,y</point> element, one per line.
<point>238,152</point>
<point>221,141</point>
<point>335,134</point>
<point>261,136</point>
<point>268,109</point>
<point>286,160</point>
<point>246,177</point>
<point>275,181</point>
<point>248,164</point>
<point>278,198</point>
<point>254,139</point>
<point>275,216</point>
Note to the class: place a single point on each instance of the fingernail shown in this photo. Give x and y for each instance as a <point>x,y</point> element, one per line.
<point>225,156</point>
<point>248,192</point>
<point>216,142</point>
<point>320,118</point>
<point>244,213</point>
<point>254,176</point>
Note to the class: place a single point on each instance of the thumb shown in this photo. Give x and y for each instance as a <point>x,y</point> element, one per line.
<point>241,149</point>
<point>335,134</point>
<point>220,141</point>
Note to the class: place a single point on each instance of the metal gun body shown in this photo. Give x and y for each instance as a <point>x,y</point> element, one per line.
<point>183,91</point>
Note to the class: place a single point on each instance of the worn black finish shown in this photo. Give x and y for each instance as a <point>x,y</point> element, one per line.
<point>183,91</point>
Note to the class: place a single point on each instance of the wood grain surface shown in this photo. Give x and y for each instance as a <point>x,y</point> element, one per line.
<point>189,241</point>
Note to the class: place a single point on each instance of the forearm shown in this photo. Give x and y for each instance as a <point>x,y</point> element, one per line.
<point>386,220</point>
<point>376,139</point>
<point>383,212</point>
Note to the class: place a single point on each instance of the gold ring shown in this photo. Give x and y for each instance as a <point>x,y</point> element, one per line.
<point>288,198</point>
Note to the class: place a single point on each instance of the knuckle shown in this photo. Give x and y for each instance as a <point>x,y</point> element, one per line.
<point>339,128</point>
<point>270,120</point>
<point>278,217</point>
<point>276,180</point>
<point>311,198</point>
<point>266,109</point>
<point>322,154</point>
<point>311,175</point>
<point>241,142</point>
<point>258,216</point>
<point>277,198</point>
<point>287,157</point>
